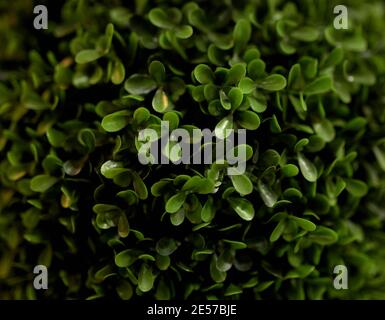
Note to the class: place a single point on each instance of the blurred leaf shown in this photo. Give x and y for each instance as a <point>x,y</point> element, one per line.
<point>304,224</point>
<point>174,203</point>
<point>356,187</point>
<point>125,258</point>
<point>274,82</point>
<point>242,184</point>
<point>145,278</point>
<point>203,74</point>
<point>300,272</point>
<point>248,120</point>
<point>86,56</point>
<point>320,85</point>
<point>243,208</point>
<point>161,102</point>
<point>166,246</point>
<point>124,290</point>
<point>159,18</point>
<point>157,71</point>
<point>116,121</point>
<point>323,235</point>
<point>308,169</point>
<point>241,34</point>
<point>268,196</point>
<point>223,128</point>
<point>324,129</point>
<point>43,182</point>
<point>139,84</point>
<point>278,230</point>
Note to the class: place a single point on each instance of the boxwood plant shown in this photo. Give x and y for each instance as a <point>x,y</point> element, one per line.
<point>75,198</point>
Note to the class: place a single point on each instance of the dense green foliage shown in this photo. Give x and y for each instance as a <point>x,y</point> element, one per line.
<point>74,197</point>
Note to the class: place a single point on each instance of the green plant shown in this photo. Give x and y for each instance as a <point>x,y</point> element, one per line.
<point>74,197</point>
